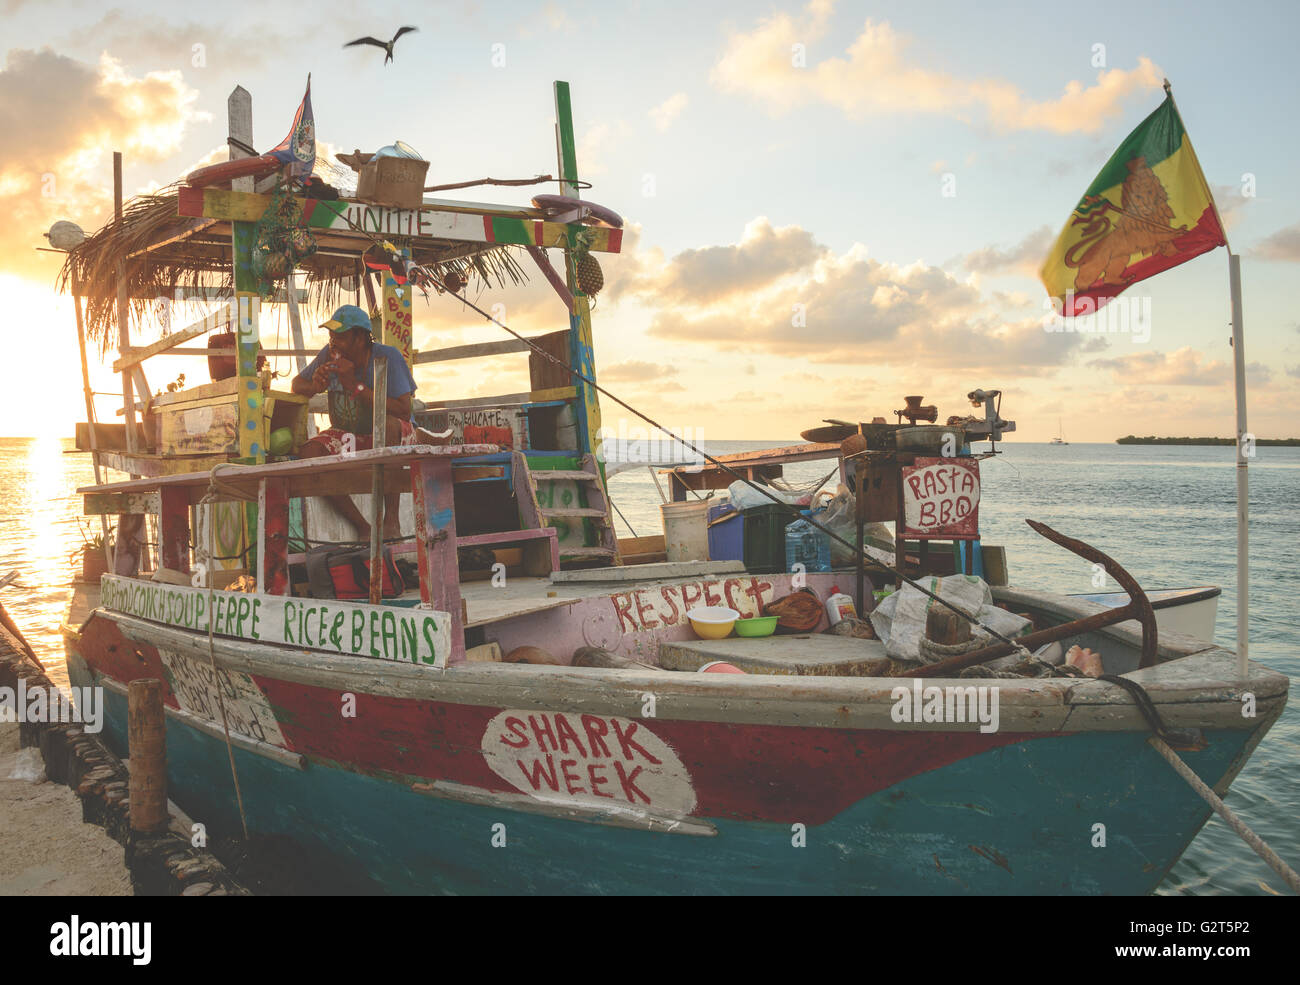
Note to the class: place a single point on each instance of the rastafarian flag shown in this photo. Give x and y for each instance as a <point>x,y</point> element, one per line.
<point>1148,210</point>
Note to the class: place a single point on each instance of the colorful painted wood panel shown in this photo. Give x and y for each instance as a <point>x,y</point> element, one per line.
<point>415,636</point>
<point>941,498</point>
<point>358,217</point>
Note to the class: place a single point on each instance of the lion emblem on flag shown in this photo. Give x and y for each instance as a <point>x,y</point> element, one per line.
<point>1142,226</point>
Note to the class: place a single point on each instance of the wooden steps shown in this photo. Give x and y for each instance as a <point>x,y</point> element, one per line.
<point>529,482</point>
<point>586,552</point>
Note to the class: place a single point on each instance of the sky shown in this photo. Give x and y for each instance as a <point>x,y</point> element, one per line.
<point>829,205</point>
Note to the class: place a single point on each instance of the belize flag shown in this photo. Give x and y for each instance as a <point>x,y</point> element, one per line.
<point>298,149</point>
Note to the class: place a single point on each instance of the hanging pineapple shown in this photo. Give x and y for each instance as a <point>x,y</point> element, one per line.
<point>586,270</point>
<point>590,277</point>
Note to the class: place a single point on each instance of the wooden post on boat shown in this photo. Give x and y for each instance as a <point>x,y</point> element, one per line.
<point>130,539</point>
<point>581,355</point>
<point>252,420</point>
<point>90,413</point>
<point>435,535</point>
<point>378,428</point>
<point>123,329</point>
<point>146,729</point>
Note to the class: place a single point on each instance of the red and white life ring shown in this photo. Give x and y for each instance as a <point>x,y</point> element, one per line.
<point>244,167</point>
<point>556,204</point>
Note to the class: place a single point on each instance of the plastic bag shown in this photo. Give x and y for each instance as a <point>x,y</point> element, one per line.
<point>840,517</point>
<point>744,497</point>
<point>899,620</point>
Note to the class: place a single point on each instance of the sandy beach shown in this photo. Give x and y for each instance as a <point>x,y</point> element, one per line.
<point>47,849</point>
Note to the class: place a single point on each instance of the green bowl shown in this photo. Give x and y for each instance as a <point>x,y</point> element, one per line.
<point>761,626</point>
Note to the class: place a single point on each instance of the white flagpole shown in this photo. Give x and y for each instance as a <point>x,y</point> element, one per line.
<point>1243,479</point>
<point>1243,462</point>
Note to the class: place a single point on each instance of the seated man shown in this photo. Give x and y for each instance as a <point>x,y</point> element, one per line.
<point>346,368</point>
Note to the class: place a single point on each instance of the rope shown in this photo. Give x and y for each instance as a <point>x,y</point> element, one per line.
<point>620,515</point>
<point>1257,843</point>
<point>220,490</point>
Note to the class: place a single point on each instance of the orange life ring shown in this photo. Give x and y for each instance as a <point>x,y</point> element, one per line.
<point>244,167</point>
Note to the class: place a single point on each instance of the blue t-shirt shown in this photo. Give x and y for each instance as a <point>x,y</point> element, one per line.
<point>345,409</point>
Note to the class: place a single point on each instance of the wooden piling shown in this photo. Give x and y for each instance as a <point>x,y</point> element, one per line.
<point>146,727</point>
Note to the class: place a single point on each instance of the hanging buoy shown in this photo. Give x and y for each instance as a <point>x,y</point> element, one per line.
<point>245,167</point>
<point>558,204</point>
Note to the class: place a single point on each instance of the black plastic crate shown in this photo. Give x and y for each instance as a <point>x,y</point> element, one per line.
<point>765,537</point>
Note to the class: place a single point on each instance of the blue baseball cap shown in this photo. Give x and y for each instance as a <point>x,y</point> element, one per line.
<point>347,317</point>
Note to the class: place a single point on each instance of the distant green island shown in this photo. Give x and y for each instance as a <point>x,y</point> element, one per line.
<point>1132,439</point>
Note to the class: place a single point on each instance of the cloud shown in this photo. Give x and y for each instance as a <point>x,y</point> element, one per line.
<point>66,117</point>
<point>711,273</point>
<point>876,76</point>
<point>1023,258</point>
<point>222,44</point>
<point>777,291</point>
<point>1182,367</point>
<point>596,144</point>
<point>636,370</point>
<point>1282,245</point>
<point>663,115</point>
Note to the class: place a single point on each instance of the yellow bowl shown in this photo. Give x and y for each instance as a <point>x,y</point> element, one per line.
<point>712,622</point>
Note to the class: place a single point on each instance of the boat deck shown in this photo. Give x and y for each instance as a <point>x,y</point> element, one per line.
<point>486,603</point>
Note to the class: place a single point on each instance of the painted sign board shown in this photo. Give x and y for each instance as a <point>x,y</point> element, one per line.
<point>395,300</point>
<point>383,632</point>
<point>195,685</point>
<point>595,760</point>
<point>941,498</point>
<point>504,426</point>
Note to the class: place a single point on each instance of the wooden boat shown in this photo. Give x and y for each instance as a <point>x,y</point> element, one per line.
<point>388,746</point>
<point>1187,611</point>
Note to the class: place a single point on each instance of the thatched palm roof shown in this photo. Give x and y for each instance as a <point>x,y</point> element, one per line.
<point>160,252</point>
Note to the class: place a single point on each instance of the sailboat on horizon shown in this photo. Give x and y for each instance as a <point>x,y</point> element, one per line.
<point>1060,435</point>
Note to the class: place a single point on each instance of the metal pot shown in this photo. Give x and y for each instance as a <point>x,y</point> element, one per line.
<point>928,439</point>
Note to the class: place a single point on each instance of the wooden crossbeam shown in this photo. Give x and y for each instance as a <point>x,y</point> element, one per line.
<point>188,230</point>
<point>506,399</point>
<point>358,219</point>
<point>218,319</point>
<point>472,351</point>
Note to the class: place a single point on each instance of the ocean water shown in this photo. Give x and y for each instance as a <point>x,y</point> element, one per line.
<point>1167,514</point>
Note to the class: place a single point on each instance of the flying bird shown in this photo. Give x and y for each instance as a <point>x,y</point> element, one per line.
<point>386,45</point>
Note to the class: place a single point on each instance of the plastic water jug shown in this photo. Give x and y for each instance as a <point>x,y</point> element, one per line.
<point>806,545</point>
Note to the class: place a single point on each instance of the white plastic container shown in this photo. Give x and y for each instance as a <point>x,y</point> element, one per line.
<point>839,606</point>
<point>686,530</point>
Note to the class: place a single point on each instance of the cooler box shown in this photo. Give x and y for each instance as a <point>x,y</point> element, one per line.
<point>726,533</point>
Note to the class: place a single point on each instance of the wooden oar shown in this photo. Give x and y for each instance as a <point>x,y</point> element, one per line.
<point>1139,608</point>
<point>9,625</point>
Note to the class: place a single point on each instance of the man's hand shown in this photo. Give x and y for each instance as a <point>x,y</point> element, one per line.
<point>320,380</point>
<point>309,386</point>
<point>346,371</point>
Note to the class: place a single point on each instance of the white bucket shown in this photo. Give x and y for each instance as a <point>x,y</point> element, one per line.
<point>686,530</point>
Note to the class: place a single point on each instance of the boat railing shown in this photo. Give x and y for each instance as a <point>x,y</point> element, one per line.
<point>267,490</point>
